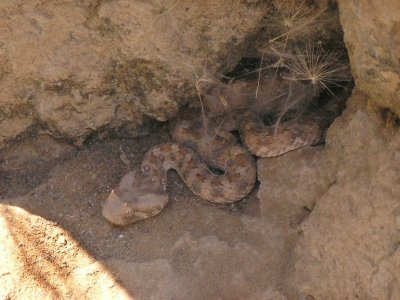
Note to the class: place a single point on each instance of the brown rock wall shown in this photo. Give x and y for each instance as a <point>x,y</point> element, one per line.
<point>372,36</point>
<point>344,202</point>
<point>71,66</point>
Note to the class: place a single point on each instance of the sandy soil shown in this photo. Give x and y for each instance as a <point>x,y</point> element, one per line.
<point>56,243</point>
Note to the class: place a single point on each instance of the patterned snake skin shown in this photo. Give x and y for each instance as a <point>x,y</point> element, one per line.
<point>142,193</point>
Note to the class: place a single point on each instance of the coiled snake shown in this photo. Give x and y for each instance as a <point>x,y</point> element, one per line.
<point>142,193</point>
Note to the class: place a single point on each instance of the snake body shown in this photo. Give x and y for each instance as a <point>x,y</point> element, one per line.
<point>270,141</point>
<point>142,193</point>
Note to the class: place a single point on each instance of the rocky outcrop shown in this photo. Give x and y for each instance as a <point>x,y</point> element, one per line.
<point>79,66</point>
<point>328,225</point>
<point>343,198</point>
<point>349,244</point>
<point>344,202</point>
<point>372,36</point>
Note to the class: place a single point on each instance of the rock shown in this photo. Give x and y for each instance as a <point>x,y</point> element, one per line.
<point>80,66</point>
<point>290,185</point>
<point>34,151</point>
<point>348,245</point>
<point>372,36</point>
<point>330,218</point>
<point>147,280</point>
<point>74,116</point>
<point>28,163</point>
<point>11,128</point>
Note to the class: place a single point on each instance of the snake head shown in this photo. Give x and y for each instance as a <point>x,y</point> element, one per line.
<point>137,197</point>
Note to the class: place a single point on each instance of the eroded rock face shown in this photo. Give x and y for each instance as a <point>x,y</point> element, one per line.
<point>77,66</point>
<point>348,236</point>
<point>344,200</point>
<point>349,247</point>
<point>372,36</point>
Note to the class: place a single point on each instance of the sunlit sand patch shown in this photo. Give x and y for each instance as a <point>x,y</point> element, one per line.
<point>40,260</point>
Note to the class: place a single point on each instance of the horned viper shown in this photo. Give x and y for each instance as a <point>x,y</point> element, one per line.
<point>142,193</point>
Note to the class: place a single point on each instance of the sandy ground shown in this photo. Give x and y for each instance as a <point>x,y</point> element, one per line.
<point>55,243</point>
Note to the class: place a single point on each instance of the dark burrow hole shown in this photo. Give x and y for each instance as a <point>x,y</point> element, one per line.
<point>295,65</point>
<point>248,70</point>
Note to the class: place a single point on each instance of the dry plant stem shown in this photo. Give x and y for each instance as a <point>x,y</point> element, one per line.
<point>284,111</point>
<point>259,75</point>
<point>219,127</point>
<point>299,23</point>
<point>296,31</point>
<point>272,99</point>
<point>203,114</point>
<point>200,79</point>
<point>251,72</point>
<point>322,70</point>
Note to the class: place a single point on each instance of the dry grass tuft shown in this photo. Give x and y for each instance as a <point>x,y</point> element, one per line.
<point>322,69</point>
<point>292,22</point>
<point>292,19</point>
<point>293,71</point>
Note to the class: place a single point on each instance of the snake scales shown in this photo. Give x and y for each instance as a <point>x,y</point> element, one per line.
<point>142,193</point>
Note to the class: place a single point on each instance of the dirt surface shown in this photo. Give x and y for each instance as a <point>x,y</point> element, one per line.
<point>325,226</point>
<point>58,245</point>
